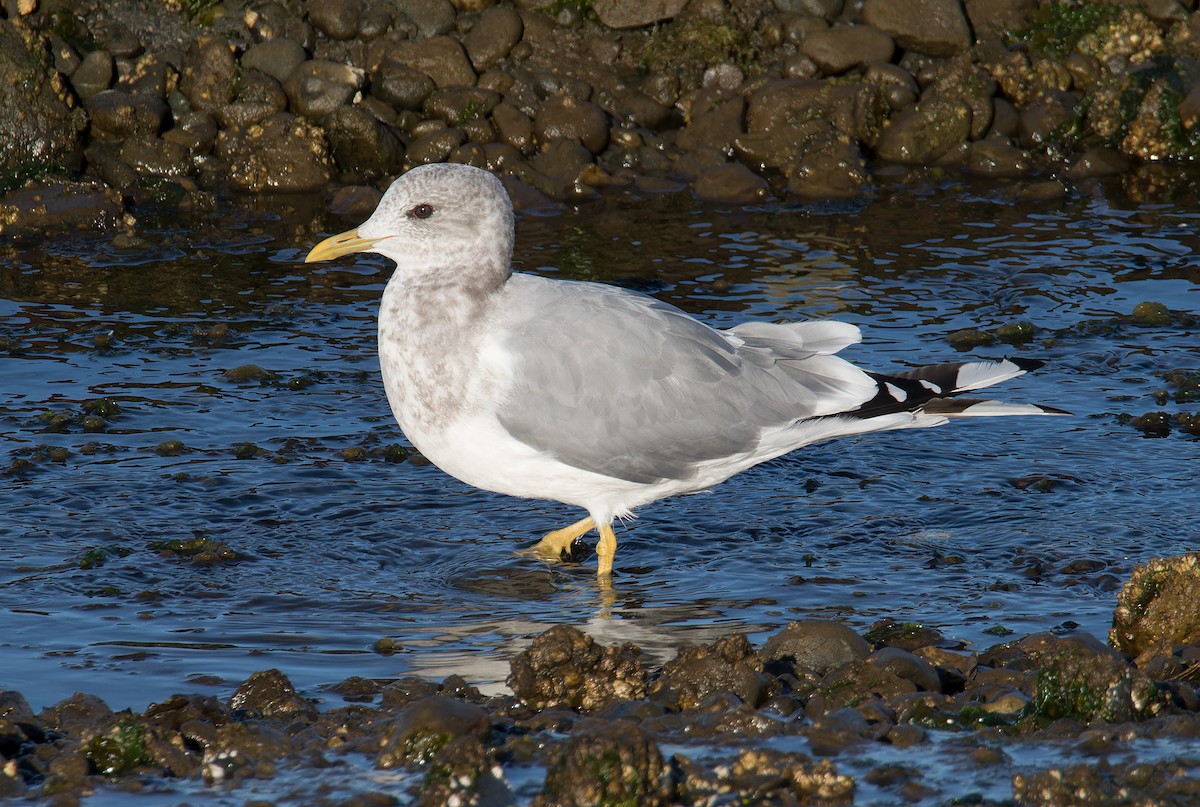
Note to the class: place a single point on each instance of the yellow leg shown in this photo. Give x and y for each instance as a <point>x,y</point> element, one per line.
<point>606,548</point>
<point>556,544</point>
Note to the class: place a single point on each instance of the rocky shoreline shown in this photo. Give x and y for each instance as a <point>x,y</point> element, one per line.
<point>108,107</point>
<point>592,723</point>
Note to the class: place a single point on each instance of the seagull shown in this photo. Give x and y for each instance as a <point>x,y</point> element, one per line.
<point>597,396</point>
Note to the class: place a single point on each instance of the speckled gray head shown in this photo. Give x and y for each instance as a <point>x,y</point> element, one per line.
<point>442,224</point>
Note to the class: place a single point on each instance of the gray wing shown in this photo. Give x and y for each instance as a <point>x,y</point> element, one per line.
<point>624,385</point>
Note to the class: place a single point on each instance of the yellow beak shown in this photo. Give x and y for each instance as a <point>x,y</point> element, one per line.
<point>342,244</point>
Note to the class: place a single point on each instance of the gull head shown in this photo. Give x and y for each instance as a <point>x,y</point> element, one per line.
<point>445,222</point>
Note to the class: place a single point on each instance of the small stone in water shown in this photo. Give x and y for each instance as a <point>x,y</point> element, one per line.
<point>969,338</point>
<point>1151,313</point>
<point>1015,331</point>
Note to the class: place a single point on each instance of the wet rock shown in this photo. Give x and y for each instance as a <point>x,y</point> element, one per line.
<point>1081,679</point>
<point>425,727</point>
<point>566,118</point>
<point>1039,122</point>
<point>561,165</point>
<point>731,182</point>
<point>441,58</point>
<point>153,156</point>
<point>1098,161</point>
<point>461,104</point>
<point>81,715</point>
<point>282,153</point>
<point>716,125</point>
<point>1106,782</point>
<point>996,159</point>
<point>605,763</point>
<point>436,146</point>
<point>56,206</point>
<point>905,665</point>
<point>278,58</point>
<point>758,774</point>
<point>636,13</point>
<point>513,127</point>
<point>401,86</point>
<point>337,19</point>
<point>37,127</point>
<point>926,132</point>
<point>1153,314</point>
<point>813,645</point>
<point>493,37</point>
<point>95,73</point>
<point>316,88</point>
<point>934,27</point>
<point>464,773</point>
<point>363,148</point>
<point>837,50</point>
<point>270,694</point>
<point>564,666</point>
<point>1158,603</point>
<point>729,663</point>
<point>432,17</point>
<point>117,115</point>
<point>851,684</point>
<point>828,166</point>
<point>209,76</point>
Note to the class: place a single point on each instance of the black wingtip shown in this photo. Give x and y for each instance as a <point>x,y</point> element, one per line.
<point>1027,364</point>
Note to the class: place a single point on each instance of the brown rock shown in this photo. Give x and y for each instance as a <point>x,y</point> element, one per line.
<point>513,127</point>
<point>270,694</point>
<point>731,182</point>
<point>441,58</point>
<point>1158,602</point>
<point>716,127</point>
<point>337,19</point>
<point>837,50</point>
<point>933,27</point>
<point>282,153</point>
<point>275,57</point>
<point>608,763</point>
<point>926,132</point>
<point>636,13</point>
<point>566,118</point>
<point>564,666</point>
<point>209,74</point>
<point>493,37</point>
<point>729,663</point>
<point>317,87</point>
<point>815,645</point>
<point>117,115</point>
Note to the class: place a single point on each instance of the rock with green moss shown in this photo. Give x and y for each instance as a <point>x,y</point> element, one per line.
<point>1081,679</point>
<point>1158,603</point>
<point>424,727</point>
<point>608,764</point>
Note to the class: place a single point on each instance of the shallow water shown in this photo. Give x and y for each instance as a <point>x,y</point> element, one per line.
<point>337,549</point>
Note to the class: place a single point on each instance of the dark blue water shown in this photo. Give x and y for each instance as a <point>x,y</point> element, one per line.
<point>336,547</point>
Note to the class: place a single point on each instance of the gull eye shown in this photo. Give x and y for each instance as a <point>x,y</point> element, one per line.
<point>421,211</point>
